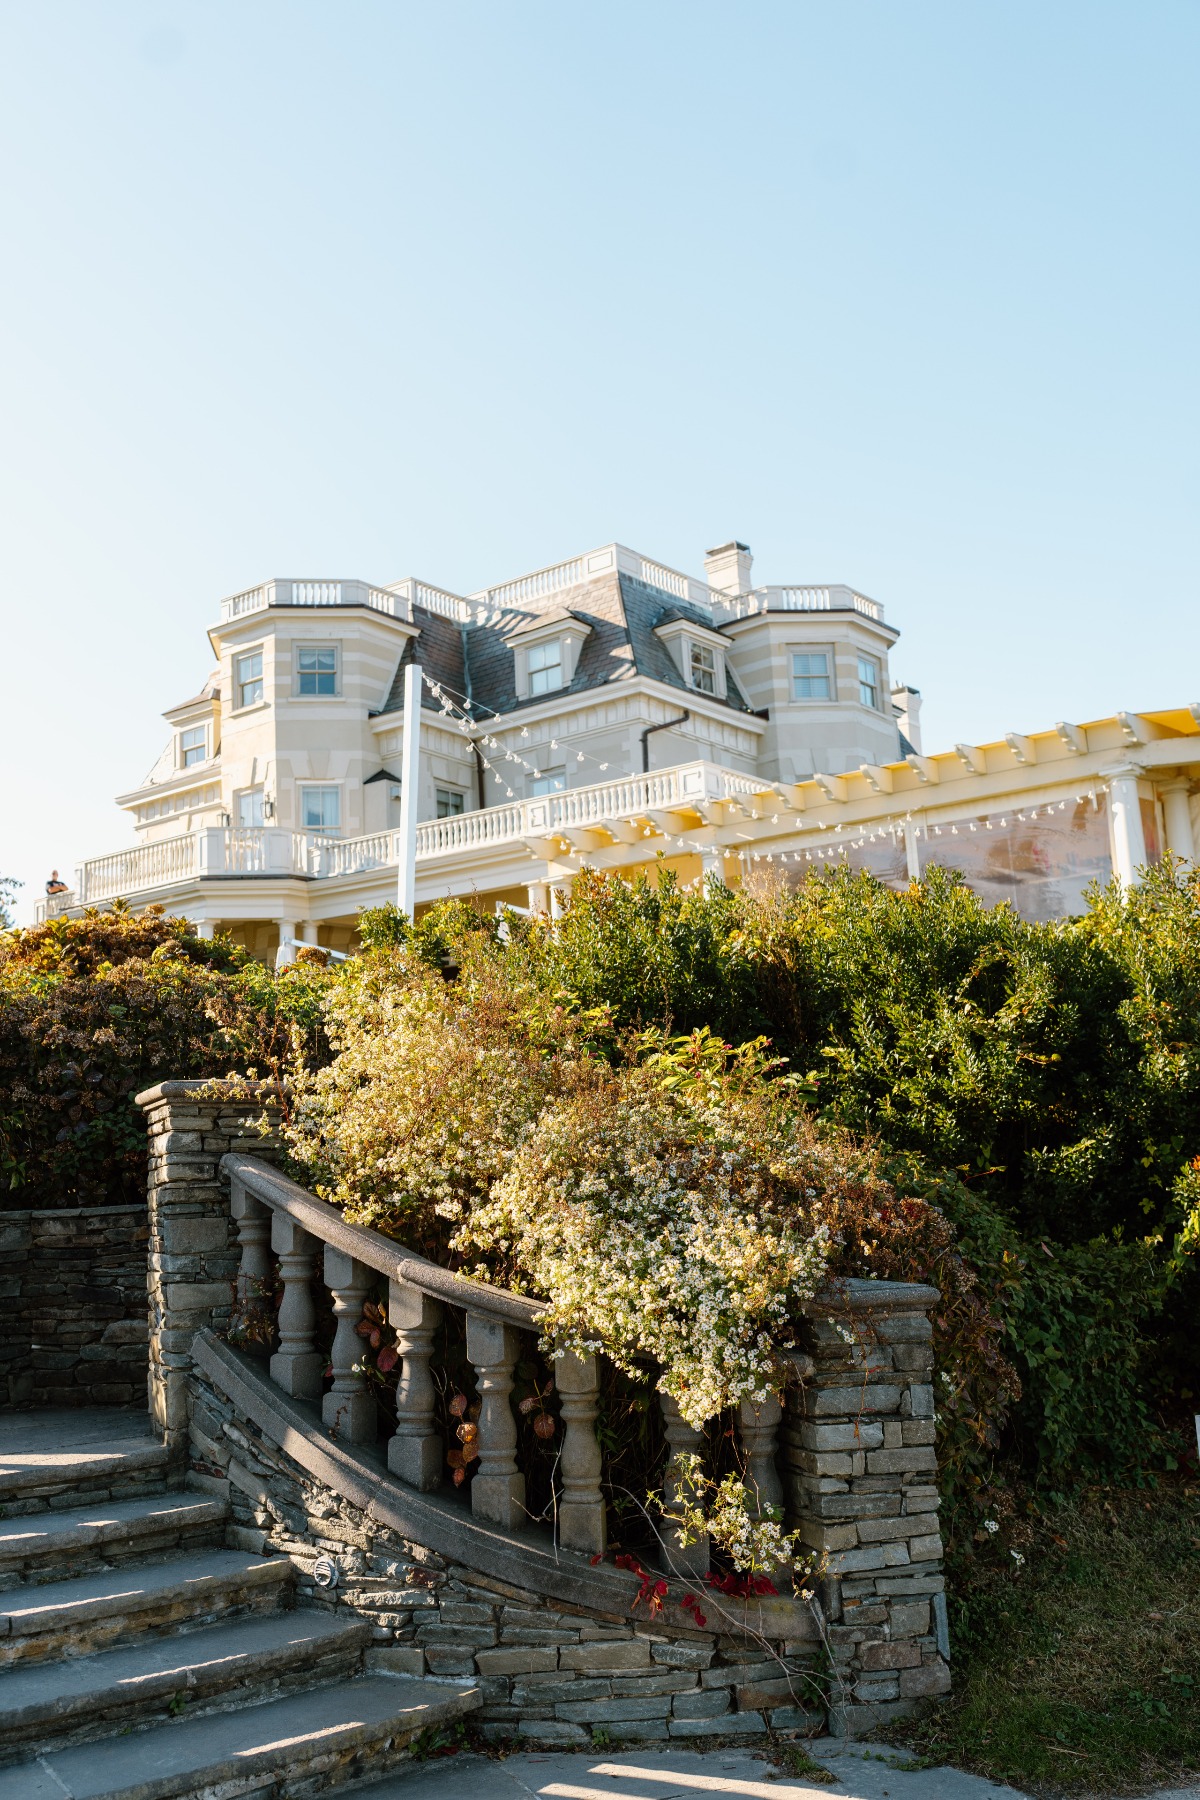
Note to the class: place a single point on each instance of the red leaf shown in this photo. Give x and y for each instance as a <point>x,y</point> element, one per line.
<point>387,1359</point>
<point>544,1425</point>
<point>596,1559</point>
<point>527,1406</point>
<point>364,1328</point>
<point>460,1475</point>
<point>458,1405</point>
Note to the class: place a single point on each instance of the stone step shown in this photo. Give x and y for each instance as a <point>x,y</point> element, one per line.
<point>297,1745</point>
<point>48,1705</point>
<point>40,1546</point>
<point>65,1459</point>
<point>93,1612</point>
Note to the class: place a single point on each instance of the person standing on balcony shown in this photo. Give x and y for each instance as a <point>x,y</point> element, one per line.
<point>54,885</point>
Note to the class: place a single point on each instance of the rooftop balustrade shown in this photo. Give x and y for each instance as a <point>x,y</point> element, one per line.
<point>527,592</point>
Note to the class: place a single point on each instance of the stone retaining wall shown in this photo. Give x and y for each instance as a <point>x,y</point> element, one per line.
<point>73,1307</point>
<point>550,1672</point>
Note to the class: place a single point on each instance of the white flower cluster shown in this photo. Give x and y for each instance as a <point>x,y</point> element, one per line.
<point>752,1537</point>
<point>650,1237</point>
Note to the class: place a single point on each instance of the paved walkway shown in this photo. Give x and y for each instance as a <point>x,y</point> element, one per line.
<point>861,1773</point>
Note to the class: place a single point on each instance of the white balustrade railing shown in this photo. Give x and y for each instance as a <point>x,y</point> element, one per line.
<point>147,866</point>
<point>310,592</point>
<point>347,856</point>
<point>836,597</point>
<point>493,825</point>
<point>527,590</point>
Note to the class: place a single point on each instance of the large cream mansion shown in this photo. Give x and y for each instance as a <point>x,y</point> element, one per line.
<point>608,711</point>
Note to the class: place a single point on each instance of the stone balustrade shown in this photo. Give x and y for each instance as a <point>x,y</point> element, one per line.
<point>849,1453</point>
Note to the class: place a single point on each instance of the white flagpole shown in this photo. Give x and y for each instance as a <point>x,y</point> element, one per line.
<point>410,766</point>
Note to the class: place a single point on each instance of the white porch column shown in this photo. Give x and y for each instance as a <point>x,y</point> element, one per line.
<point>539,897</point>
<point>1127,839</point>
<point>712,862</point>
<point>306,931</point>
<point>1177,816</point>
<point>912,852</point>
<point>560,893</point>
<point>410,775</point>
<point>205,928</point>
<point>286,952</point>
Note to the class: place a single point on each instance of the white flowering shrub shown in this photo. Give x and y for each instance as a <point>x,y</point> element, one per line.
<point>670,1200</point>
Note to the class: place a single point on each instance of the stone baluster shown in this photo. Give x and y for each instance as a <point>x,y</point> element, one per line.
<point>758,1427</point>
<point>348,1408</point>
<point>416,1453</point>
<point>255,1299</point>
<point>297,1365</point>
<point>759,1430</point>
<point>498,1490</point>
<point>682,1439</point>
<point>581,1509</point>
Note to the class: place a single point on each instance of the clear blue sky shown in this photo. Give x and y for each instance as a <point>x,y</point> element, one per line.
<point>902,295</point>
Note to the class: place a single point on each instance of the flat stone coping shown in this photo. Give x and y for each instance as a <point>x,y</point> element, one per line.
<point>872,1772</point>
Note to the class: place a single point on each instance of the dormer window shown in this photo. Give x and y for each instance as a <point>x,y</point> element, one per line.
<point>703,668</point>
<point>546,653</point>
<point>193,746</point>
<point>545,667</point>
<point>697,651</point>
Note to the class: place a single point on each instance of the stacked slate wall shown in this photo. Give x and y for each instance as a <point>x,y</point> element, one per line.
<point>73,1307</point>
<point>860,1468</point>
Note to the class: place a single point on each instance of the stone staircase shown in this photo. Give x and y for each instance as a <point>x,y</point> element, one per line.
<point>142,1658</point>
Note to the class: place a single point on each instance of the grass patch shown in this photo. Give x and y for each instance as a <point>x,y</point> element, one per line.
<point>794,1758</point>
<point>1077,1670</point>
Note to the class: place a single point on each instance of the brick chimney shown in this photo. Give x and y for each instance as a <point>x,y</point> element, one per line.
<point>727,568</point>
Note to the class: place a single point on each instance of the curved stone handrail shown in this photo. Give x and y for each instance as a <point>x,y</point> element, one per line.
<point>382,1254</point>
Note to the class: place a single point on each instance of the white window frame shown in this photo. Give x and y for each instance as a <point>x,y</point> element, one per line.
<point>449,794</point>
<point>548,781</point>
<point>825,652</point>
<point>239,657</point>
<point>298,673</point>
<point>538,663</point>
<point>184,759</point>
<point>696,653</point>
<point>325,788</point>
<point>240,800</point>
<point>861,661</point>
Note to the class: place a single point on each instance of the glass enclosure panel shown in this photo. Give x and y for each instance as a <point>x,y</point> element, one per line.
<point>880,849</point>
<point>1039,858</point>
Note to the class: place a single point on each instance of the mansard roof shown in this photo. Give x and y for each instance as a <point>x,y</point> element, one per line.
<point>621,612</point>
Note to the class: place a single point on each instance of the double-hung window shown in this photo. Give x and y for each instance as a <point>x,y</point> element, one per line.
<point>810,675</point>
<point>545,667</point>
<point>248,678</point>
<point>449,803</point>
<point>549,781</point>
<point>320,809</point>
<point>193,746</point>
<point>868,683</point>
<point>316,669</point>
<point>703,668</point>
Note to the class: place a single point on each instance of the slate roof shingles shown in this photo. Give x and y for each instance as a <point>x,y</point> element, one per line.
<point>622,613</point>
